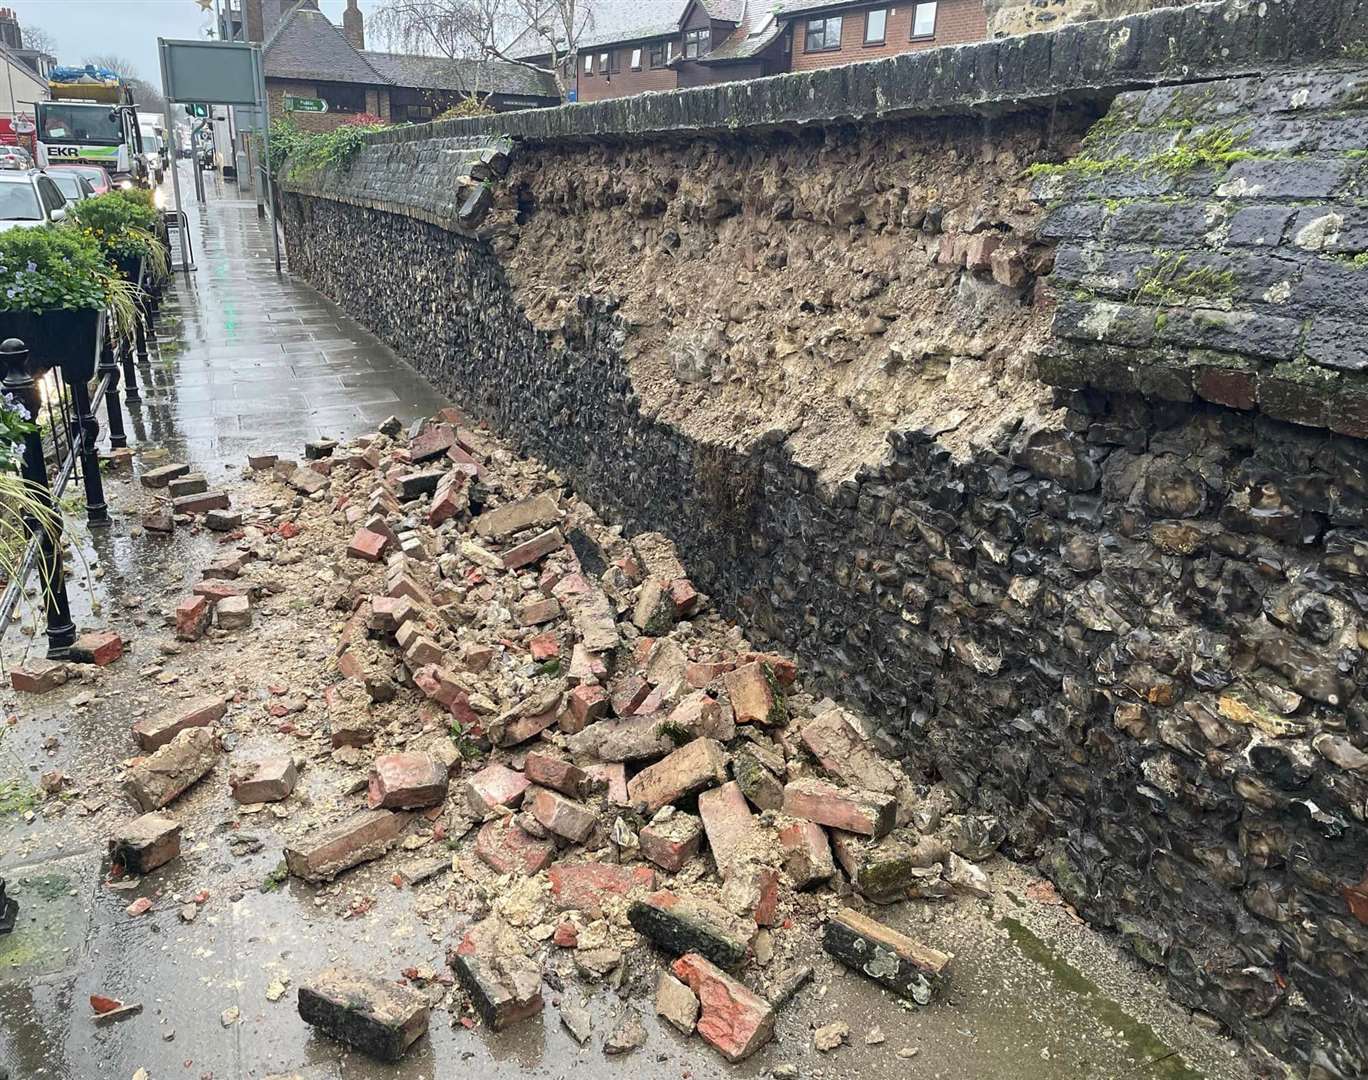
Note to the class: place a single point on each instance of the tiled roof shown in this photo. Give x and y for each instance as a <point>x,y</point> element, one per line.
<point>305,45</point>
<point>756,31</point>
<point>604,22</point>
<point>470,76</point>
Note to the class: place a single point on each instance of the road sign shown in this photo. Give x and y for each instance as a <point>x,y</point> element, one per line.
<point>305,104</point>
<point>24,125</point>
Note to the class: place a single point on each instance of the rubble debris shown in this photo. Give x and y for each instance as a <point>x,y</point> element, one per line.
<point>676,1003</point>
<point>503,982</point>
<point>268,780</point>
<point>155,781</point>
<point>629,1035</point>
<point>694,766</point>
<point>583,886</point>
<point>868,813</point>
<point>787,987</point>
<point>366,835</point>
<point>560,815</point>
<point>679,924</point>
<point>192,616</point>
<point>807,854</point>
<point>732,1018</point>
<point>377,1016</point>
<point>908,968</point>
<point>557,774</point>
<point>672,841</point>
<point>406,781</point>
<point>494,788</point>
<point>752,697</point>
<point>506,847</point>
<point>154,732</point>
<point>830,1036</point>
<point>577,1021</point>
<point>145,843</point>
<point>38,676</point>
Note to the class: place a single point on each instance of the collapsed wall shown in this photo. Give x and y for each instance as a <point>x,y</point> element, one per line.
<point>1123,613</point>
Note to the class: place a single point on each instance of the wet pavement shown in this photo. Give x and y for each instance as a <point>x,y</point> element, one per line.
<point>248,361</point>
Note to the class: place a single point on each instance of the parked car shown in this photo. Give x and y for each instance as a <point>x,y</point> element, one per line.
<point>72,184</point>
<point>95,176</point>
<point>15,157</point>
<point>29,198</point>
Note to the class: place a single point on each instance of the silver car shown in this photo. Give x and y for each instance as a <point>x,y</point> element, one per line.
<point>71,184</point>
<point>29,198</point>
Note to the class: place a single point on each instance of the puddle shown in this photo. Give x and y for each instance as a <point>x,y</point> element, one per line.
<point>1162,1061</point>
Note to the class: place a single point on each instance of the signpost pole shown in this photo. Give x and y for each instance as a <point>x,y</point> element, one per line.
<point>258,69</point>
<point>175,164</point>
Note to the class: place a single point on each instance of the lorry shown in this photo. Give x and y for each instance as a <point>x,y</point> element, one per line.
<point>91,119</point>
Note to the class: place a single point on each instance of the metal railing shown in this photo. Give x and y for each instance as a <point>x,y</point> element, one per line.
<point>66,432</point>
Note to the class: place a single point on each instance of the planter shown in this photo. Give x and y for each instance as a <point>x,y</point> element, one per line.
<point>69,339</point>
<point>130,267</point>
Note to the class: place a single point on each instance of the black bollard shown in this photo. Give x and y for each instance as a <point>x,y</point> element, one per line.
<point>83,437</point>
<point>19,384</point>
<point>113,407</point>
<point>9,906</point>
<point>132,355</point>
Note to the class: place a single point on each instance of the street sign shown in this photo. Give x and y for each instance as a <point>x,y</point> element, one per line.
<point>24,125</point>
<point>305,104</point>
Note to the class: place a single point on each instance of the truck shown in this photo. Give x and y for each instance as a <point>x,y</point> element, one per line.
<point>91,119</point>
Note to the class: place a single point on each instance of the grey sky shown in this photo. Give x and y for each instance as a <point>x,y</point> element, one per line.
<point>128,28</point>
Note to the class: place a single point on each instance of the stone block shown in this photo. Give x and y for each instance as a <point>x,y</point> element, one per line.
<point>494,787</point>
<point>506,848</point>
<point>190,484</point>
<point>145,843</point>
<point>163,475</point>
<point>557,774</point>
<point>268,780</point>
<point>695,766</point>
<point>379,1017</point>
<point>673,841</point>
<point>200,503</point>
<point>680,924</point>
<point>560,815</point>
<point>869,813</point>
<point>503,983</point>
<point>233,613</point>
<point>155,781</point>
<point>583,886</point>
<point>733,1019</point>
<point>154,732</point>
<point>910,969</point>
<point>323,854</point>
<point>406,781</point>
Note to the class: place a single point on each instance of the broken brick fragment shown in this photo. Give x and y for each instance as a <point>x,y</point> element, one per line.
<point>531,551</point>
<point>807,854</point>
<point>751,695</point>
<point>233,613</point>
<point>869,813</point>
<point>503,982</point>
<point>38,676</point>
<point>192,617</point>
<point>99,647</point>
<point>157,780</point>
<point>379,1017</point>
<point>910,969</point>
<point>582,886</point>
<point>673,842</point>
<point>544,647</point>
<point>683,596</point>
<point>585,704</point>
<point>323,854</point>
<point>733,1019</point>
<point>506,848</point>
<point>696,765</point>
<point>628,694</point>
<point>679,924</point>
<point>562,816</point>
<point>536,612</point>
<point>557,774</point>
<point>145,843</point>
<point>494,787</point>
<point>268,780</point>
<point>368,545</point>
<point>349,715</point>
<point>154,732</point>
<point>733,836</point>
<point>406,781</point>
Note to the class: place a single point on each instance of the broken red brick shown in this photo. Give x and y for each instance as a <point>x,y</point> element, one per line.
<point>732,833</point>
<point>389,613</point>
<point>699,675</point>
<point>807,854</point>
<point>217,591</point>
<point>556,774</point>
<point>531,551</point>
<point>378,1016</point>
<point>192,617</point>
<point>145,843</point>
<point>752,699</point>
<point>582,886</point>
<point>684,596</point>
<point>585,704</point>
<point>628,694</point>
<point>349,716</point>
<point>433,441</point>
<point>560,815</point>
<point>493,787</point>
<point>157,780</point>
<point>537,612</point>
<point>506,848</point>
<point>868,813</point>
<point>38,676</point>
<point>154,732</point>
<point>586,667</point>
<point>696,765</point>
<point>141,906</point>
<point>367,545</point>
<point>503,983</point>
<point>406,781</point>
<point>322,855</point>
<point>673,842</point>
<point>99,647</point>
<point>733,1019</point>
<point>544,647</point>
<point>268,780</point>
<point>613,776</point>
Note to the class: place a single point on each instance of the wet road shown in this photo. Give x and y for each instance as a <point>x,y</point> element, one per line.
<point>249,361</point>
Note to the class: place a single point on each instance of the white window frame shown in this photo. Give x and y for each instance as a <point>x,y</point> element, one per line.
<point>916,13</point>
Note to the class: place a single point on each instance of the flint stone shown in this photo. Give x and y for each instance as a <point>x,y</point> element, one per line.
<point>157,780</point>
<point>679,924</point>
<point>377,1016</point>
<point>910,969</point>
<point>365,835</point>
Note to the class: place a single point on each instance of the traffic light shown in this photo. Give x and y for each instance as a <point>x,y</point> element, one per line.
<point>198,110</point>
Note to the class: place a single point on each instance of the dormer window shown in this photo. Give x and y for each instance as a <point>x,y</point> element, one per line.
<point>696,43</point>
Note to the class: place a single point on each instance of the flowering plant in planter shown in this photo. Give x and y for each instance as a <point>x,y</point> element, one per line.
<point>55,288</point>
<point>124,225</point>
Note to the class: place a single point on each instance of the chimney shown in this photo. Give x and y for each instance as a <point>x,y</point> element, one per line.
<point>253,21</point>
<point>353,26</point>
<point>10,34</point>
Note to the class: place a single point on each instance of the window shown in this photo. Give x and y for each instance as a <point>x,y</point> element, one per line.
<point>876,24</point>
<point>823,35</point>
<point>589,64</point>
<point>345,99</point>
<point>614,64</point>
<point>636,59</point>
<point>52,198</point>
<point>603,63</point>
<point>418,114</point>
<point>695,43</point>
<point>924,20</point>
<point>19,202</point>
<point>660,55</point>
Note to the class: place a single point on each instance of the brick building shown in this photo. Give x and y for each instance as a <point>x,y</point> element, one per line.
<point>628,46</point>
<point>308,58</point>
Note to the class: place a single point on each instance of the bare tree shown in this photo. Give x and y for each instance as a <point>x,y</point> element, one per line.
<point>35,37</point>
<point>489,30</point>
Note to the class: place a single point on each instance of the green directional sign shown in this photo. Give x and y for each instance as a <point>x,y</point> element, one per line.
<point>305,104</point>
